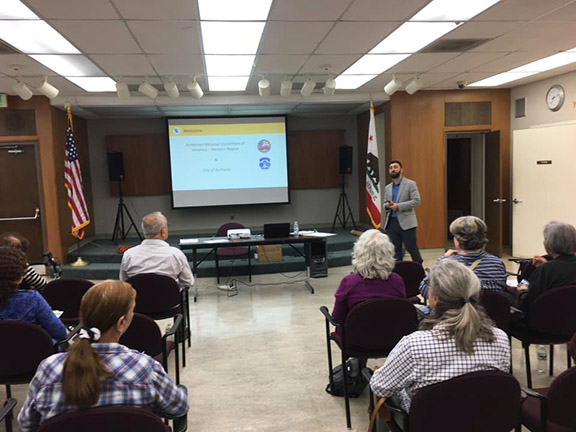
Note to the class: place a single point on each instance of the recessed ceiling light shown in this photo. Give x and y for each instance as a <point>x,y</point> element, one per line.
<point>231,37</point>
<point>234,10</point>
<point>500,79</point>
<point>35,37</point>
<point>452,10</point>
<point>15,9</point>
<point>94,84</point>
<point>411,37</point>
<point>229,65</point>
<point>547,63</point>
<point>68,65</point>
<point>351,82</point>
<point>374,64</point>
<point>227,83</point>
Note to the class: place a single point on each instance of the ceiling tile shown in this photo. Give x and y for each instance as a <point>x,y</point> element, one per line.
<point>306,10</point>
<point>282,64</point>
<point>29,66</point>
<point>355,37</point>
<point>163,37</point>
<point>566,13</point>
<point>177,64</point>
<point>509,61</point>
<point>465,62</point>
<point>483,29</point>
<point>157,10</point>
<point>73,9</point>
<point>113,36</point>
<point>520,10</point>
<point>378,10</point>
<point>293,37</point>
<point>419,63</point>
<point>326,64</point>
<point>123,65</point>
<point>469,77</point>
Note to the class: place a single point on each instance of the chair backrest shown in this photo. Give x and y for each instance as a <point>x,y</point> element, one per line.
<point>65,294</point>
<point>562,399</point>
<point>223,230</point>
<point>374,327</point>
<point>474,402</point>
<point>412,273</point>
<point>158,296</point>
<point>497,307</point>
<point>108,418</point>
<point>24,346</point>
<point>552,312</point>
<point>143,335</point>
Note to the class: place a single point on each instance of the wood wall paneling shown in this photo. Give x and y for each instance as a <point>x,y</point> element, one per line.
<point>313,158</point>
<point>146,164</point>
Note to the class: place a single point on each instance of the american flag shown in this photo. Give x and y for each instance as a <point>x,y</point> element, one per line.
<point>73,183</point>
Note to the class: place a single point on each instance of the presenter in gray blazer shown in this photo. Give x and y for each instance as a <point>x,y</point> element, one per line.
<point>401,196</point>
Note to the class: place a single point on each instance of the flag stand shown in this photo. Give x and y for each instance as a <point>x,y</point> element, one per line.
<point>79,261</point>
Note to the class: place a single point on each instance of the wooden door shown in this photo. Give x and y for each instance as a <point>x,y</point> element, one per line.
<point>493,199</point>
<point>20,197</point>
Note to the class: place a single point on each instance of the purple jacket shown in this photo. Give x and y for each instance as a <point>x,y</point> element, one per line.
<point>354,289</point>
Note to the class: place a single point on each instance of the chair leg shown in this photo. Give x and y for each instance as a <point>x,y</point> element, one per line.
<point>346,397</point>
<point>528,371</point>
<point>177,354</point>
<point>10,415</point>
<point>249,265</point>
<point>329,351</point>
<point>217,267</point>
<point>551,365</point>
<point>568,359</point>
<point>510,339</point>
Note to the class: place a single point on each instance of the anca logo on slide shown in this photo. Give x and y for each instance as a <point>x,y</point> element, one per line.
<point>264,163</point>
<point>264,146</point>
<point>176,130</point>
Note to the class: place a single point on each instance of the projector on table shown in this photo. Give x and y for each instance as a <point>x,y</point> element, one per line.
<point>237,234</point>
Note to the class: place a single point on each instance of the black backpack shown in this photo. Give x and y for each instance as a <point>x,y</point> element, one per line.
<point>356,382</point>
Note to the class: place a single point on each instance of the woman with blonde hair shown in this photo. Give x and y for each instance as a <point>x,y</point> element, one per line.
<point>458,338</point>
<point>373,261</point>
<point>98,370</point>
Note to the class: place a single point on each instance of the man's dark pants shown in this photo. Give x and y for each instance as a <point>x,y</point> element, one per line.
<point>408,237</point>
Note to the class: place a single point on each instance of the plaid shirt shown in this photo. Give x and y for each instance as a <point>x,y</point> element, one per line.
<point>428,357</point>
<point>138,380</point>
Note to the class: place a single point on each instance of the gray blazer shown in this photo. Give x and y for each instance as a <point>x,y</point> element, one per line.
<point>408,200</point>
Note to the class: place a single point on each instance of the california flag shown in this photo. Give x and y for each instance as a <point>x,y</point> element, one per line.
<point>373,201</point>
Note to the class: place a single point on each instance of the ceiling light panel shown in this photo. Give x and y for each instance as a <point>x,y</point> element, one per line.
<point>231,37</point>
<point>234,10</point>
<point>35,37</point>
<point>228,83</point>
<point>94,84</point>
<point>552,62</point>
<point>452,10</point>
<point>351,82</point>
<point>500,79</point>
<point>411,37</point>
<point>229,65</point>
<point>374,64</point>
<point>15,9</point>
<point>69,65</point>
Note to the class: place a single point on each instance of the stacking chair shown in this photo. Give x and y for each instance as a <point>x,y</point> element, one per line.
<point>550,320</point>
<point>145,336</point>
<point>159,297</point>
<point>412,273</point>
<point>232,252</point>
<point>114,418</point>
<point>371,330</point>
<point>6,412</point>
<point>474,402</point>
<point>65,294</point>
<point>497,307</point>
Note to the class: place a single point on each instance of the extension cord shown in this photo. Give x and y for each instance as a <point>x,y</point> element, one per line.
<point>227,287</point>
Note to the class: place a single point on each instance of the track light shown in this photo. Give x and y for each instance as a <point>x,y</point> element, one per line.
<point>286,88</point>
<point>195,89</point>
<point>308,87</point>
<point>47,89</point>
<point>22,90</point>
<point>171,89</point>
<point>330,87</point>
<point>148,89</point>
<point>264,87</point>
<point>122,90</point>
<point>393,86</point>
<point>414,85</point>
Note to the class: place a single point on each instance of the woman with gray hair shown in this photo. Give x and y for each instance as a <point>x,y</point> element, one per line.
<point>458,338</point>
<point>560,245</point>
<point>373,261</point>
<point>470,238</point>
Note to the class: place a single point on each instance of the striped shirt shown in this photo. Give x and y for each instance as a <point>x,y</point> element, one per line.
<point>137,380</point>
<point>32,280</point>
<point>490,270</point>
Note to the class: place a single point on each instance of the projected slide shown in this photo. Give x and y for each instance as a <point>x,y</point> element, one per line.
<point>228,161</point>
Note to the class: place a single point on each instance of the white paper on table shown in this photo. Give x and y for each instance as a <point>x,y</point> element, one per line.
<point>188,241</point>
<point>318,234</point>
<point>218,241</point>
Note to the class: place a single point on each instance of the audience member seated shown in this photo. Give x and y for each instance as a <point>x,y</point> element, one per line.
<point>32,280</point>
<point>99,371</point>
<point>560,245</point>
<point>155,255</point>
<point>373,262</point>
<point>457,339</point>
<point>470,239</point>
<point>24,305</point>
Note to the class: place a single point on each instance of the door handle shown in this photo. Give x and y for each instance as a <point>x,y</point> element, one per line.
<point>516,201</point>
<point>36,216</point>
<point>497,200</point>
<point>502,200</point>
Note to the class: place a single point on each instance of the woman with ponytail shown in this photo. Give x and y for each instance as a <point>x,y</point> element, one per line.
<point>97,370</point>
<point>458,338</point>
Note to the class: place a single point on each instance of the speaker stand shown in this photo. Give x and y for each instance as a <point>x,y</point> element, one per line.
<point>119,231</point>
<point>343,204</point>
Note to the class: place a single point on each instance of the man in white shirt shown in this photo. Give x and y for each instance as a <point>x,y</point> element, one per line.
<point>155,255</point>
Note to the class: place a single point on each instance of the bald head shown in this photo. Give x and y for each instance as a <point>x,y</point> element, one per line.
<point>155,226</point>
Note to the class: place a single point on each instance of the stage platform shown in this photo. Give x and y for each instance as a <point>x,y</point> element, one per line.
<point>105,261</point>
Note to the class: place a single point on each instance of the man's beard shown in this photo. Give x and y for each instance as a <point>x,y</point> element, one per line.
<point>395,175</point>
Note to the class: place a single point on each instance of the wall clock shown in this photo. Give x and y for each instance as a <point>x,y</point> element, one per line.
<point>555,97</point>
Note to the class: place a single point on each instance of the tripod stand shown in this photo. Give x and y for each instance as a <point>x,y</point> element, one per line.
<point>119,231</point>
<point>343,204</point>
